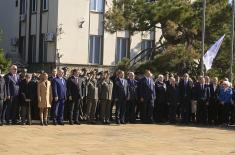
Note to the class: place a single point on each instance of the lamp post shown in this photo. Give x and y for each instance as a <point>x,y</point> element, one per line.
<point>203,35</point>
<point>232,43</point>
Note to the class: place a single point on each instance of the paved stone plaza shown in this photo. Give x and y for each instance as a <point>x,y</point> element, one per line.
<point>120,140</point>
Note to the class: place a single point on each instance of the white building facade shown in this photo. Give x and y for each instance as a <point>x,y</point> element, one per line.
<point>44,34</point>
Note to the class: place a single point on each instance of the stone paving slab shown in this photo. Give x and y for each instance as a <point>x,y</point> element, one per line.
<point>116,140</point>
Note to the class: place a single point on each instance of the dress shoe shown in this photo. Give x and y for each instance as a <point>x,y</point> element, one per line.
<point>122,122</point>
<point>61,123</point>
<point>23,123</point>
<point>8,123</point>
<point>14,123</point>
<point>77,123</point>
<point>29,123</point>
<point>45,123</point>
<point>54,123</point>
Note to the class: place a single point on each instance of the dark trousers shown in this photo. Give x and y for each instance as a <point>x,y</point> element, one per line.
<point>26,112</point>
<point>120,110</point>
<point>12,109</point>
<point>147,108</point>
<point>74,110</point>
<point>138,109</point>
<point>172,112</point>
<point>105,110</point>
<point>232,114</point>
<point>58,111</point>
<point>185,110</point>
<point>213,112</point>
<point>130,111</point>
<point>160,111</point>
<point>111,109</point>
<point>224,113</point>
<point>82,105</point>
<point>91,108</point>
<point>1,111</point>
<point>202,112</point>
<point>97,112</point>
<point>34,110</point>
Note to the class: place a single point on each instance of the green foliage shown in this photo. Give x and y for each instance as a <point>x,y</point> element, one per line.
<point>4,63</point>
<point>124,64</point>
<point>1,34</point>
<point>181,24</point>
<point>176,59</point>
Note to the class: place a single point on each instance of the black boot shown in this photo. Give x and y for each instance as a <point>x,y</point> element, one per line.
<point>41,122</point>
<point>71,122</point>
<point>45,123</point>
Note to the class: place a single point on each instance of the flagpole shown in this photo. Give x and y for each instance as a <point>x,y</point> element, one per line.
<point>232,44</point>
<point>203,36</point>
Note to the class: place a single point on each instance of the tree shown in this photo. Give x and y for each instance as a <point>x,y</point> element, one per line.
<point>124,64</point>
<point>4,63</point>
<point>180,22</point>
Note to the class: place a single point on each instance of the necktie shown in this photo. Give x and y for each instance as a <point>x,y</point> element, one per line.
<point>15,78</point>
<point>76,78</point>
<point>62,81</point>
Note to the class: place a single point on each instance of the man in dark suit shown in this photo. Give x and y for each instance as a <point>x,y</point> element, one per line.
<point>26,96</point>
<point>132,99</point>
<point>121,93</point>
<point>203,95</point>
<point>12,80</point>
<point>185,90</point>
<point>147,96</point>
<point>50,78</point>
<point>34,102</point>
<point>75,84</point>
<point>83,102</point>
<point>59,90</point>
<point>160,107</point>
<point>213,102</point>
<point>173,99</point>
<point>2,98</point>
<point>113,79</point>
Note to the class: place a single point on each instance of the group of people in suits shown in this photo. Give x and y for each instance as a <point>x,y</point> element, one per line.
<point>94,97</point>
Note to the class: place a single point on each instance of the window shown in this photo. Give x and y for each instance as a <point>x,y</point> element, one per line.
<point>34,6</point>
<point>33,49</point>
<point>45,46</point>
<point>95,44</point>
<point>97,5</point>
<point>22,46</point>
<point>45,5</point>
<point>122,47</point>
<point>22,7</point>
<point>146,44</point>
<point>16,3</point>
